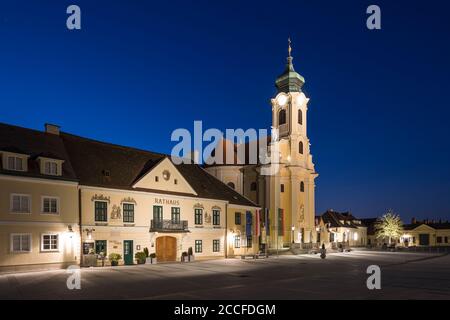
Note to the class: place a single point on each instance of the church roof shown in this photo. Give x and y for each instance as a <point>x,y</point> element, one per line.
<point>289,80</point>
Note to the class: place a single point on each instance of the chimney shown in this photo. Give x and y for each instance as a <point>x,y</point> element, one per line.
<point>52,129</point>
<point>195,156</point>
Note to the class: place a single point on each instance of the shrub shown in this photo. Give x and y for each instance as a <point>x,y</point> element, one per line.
<point>140,257</point>
<point>190,253</point>
<point>146,252</point>
<point>153,255</point>
<point>184,254</point>
<point>114,257</point>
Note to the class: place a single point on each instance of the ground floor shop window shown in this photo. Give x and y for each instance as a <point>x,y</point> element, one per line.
<point>88,247</point>
<point>101,247</point>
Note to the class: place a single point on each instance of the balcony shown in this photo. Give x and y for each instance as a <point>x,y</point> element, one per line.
<point>169,226</point>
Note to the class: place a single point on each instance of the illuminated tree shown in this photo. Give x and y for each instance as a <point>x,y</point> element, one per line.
<point>389,226</point>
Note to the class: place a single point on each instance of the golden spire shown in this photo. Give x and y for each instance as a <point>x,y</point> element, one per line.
<point>289,46</point>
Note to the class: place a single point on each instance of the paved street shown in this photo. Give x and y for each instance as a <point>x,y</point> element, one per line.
<point>340,276</point>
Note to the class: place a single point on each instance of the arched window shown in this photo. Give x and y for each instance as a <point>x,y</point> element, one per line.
<point>253,186</point>
<point>302,186</point>
<point>231,185</point>
<point>281,117</point>
<point>300,147</point>
<point>300,116</point>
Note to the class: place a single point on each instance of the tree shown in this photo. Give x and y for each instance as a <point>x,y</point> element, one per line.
<point>389,226</point>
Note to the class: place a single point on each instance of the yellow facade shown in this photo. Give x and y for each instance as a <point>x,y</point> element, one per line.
<point>425,235</point>
<point>115,230</point>
<point>35,223</point>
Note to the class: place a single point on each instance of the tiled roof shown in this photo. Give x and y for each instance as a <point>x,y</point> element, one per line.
<point>88,161</point>
<point>34,144</point>
<point>125,165</point>
<point>340,220</point>
<point>434,225</point>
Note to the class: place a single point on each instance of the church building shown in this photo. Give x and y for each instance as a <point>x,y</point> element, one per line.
<point>287,195</point>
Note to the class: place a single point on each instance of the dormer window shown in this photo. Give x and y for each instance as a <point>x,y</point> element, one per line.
<point>15,163</point>
<point>51,168</point>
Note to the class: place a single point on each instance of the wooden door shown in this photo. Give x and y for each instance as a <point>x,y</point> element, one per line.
<point>166,249</point>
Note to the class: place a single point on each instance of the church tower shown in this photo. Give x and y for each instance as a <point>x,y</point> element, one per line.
<point>292,188</point>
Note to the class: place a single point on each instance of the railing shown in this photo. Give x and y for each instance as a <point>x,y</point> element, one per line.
<point>168,225</point>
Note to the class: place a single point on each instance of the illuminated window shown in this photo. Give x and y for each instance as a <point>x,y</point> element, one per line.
<point>237,241</point>
<point>216,245</point>
<point>198,246</point>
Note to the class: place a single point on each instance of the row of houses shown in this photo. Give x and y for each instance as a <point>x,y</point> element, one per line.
<point>343,228</point>
<point>64,198</point>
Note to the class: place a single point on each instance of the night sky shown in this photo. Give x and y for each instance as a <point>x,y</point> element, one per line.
<point>378,114</point>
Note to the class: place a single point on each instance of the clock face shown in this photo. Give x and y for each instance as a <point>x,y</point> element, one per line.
<point>282,99</point>
<point>166,175</point>
<point>301,99</point>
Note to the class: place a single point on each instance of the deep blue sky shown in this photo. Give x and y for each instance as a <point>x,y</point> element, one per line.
<point>378,115</point>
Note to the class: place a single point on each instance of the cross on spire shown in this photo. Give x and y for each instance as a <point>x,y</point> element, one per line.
<point>289,46</point>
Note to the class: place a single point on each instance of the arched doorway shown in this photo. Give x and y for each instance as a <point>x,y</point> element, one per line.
<point>166,248</point>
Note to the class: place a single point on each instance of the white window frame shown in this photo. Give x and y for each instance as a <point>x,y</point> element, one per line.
<point>57,241</point>
<point>15,158</point>
<point>20,195</point>
<point>50,162</point>
<point>11,246</point>
<point>57,213</point>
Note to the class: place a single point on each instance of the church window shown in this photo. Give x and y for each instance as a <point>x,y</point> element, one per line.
<point>282,187</point>
<point>302,186</point>
<point>253,186</point>
<point>300,117</point>
<point>282,117</point>
<point>231,185</point>
<point>300,147</point>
